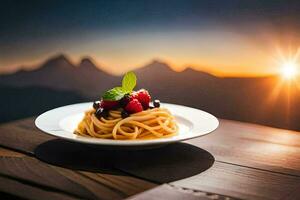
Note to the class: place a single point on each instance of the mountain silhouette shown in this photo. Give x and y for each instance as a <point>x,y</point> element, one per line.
<point>243,99</point>
<point>59,73</point>
<point>89,80</point>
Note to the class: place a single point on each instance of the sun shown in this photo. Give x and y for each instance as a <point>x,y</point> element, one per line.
<point>289,70</point>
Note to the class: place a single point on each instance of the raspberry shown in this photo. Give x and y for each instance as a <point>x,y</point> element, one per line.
<point>108,105</point>
<point>134,106</point>
<point>143,97</point>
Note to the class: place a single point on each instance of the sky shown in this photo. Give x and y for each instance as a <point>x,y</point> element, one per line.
<point>226,38</point>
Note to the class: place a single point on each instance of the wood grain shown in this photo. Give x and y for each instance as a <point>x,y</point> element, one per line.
<point>35,173</point>
<point>124,184</point>
<point>22,135</point>
<point>242,182</point>
<point>106,186</point>
<point>166,191</point>
<point>27,191</point>
<point>233,142</point>
<point>72,183</point>
<point>252,162</point>
<point>254,146</point>
<point>295,195</point>
<point>9,153</point>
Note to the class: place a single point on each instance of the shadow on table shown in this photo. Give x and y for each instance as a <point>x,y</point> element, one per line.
<point>168,163</point>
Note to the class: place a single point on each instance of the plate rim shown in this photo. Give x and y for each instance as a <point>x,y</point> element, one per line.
<point>111,142</point>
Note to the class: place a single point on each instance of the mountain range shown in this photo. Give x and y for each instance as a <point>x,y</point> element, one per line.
<point>89,80</point>
<point>244,99</point>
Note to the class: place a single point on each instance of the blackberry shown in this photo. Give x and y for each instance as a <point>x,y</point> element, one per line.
<point>96,104</point>
<point>156,103</point>
<point>100,112</point>
<point>125,100</point>
<point>124,114</point>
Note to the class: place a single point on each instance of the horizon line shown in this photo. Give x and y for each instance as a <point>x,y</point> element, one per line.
<point>38,64</point>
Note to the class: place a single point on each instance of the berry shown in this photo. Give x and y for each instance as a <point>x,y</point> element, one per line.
<point>156,103</point>
<point>108,105</point>
<point>96,105</point>
<point>124,114</point>
<point>125,100</point>
<point>100,112</point>
<point>143,97</point>
<point>134,106</point>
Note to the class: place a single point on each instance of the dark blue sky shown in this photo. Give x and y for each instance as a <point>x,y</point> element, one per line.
<point>33,29</point>
<point>36,17</point>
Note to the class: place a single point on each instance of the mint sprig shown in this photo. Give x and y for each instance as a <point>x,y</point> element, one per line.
<point>114,94</point>
<point>117,93</point>
<point>129,81</point>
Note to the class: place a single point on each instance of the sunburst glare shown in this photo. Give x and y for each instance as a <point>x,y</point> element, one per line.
<point>287,84</point>
<point>289,70</point>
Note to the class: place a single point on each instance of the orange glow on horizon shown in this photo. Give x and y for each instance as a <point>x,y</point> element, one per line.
<point>218,52</point>
<point>32,65</point>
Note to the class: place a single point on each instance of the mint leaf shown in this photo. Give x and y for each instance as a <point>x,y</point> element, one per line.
<point>117,93</point>
<point>129,82</point>
<point>114,94</point>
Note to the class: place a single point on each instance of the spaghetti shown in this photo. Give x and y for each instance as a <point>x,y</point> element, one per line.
<point>148,124</point>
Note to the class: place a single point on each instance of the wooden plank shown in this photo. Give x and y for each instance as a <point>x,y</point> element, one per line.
<point>101,187</point>
<point>165,164</point>
<point>80,184</point>
<point>166,191</point>
<point>9,153</point>
<point>160,165</point>
<point>25,191</point>
<point>262,150</point>
<point>242,182</point>
<point>7,196</point>
<point>234,142</point>
<point>125,184</point>
<point>99,191</point>
<point>104,186</point>
<point>22,135</point>
<point>295,195</point>
<point>35,173</point>
<point>254,146</point>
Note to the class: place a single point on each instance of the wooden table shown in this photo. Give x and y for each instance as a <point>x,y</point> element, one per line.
<point>238,161</point>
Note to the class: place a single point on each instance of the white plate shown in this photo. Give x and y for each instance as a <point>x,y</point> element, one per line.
<point>62,122</point>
